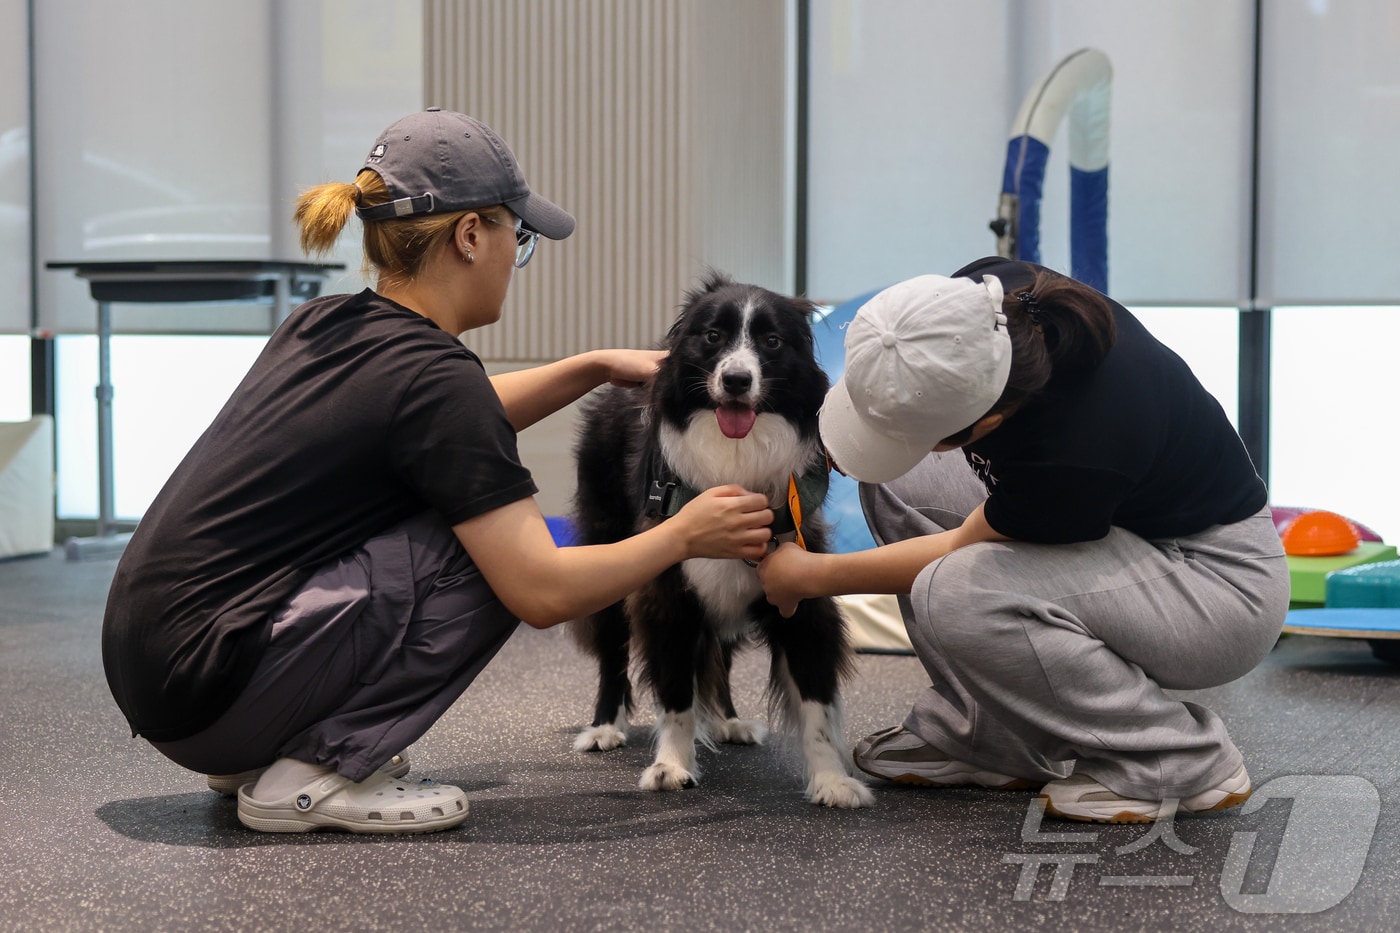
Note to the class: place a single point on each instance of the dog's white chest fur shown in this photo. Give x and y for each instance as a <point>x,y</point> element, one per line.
<point>762,461</point>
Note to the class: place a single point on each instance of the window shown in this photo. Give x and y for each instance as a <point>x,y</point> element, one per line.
<point>1333,435</point>
<point>166,391</point>
<point>15,401</point>
<point>1208,339</point>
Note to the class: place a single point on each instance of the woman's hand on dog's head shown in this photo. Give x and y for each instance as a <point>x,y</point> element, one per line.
<point>726,521</point>
<point>629,369</point>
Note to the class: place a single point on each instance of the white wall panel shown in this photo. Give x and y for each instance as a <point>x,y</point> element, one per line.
<point>1178,188</point>
<point>1331,128</point>
<point>319,107</point>
<point>177,130</point>
<point>910,105</point>
<point>912,102</point>
<point>152,136</point>
<point>14,168</point>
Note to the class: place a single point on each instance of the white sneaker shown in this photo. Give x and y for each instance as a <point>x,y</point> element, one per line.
<point>1080,797</point>
<point>896,754</point>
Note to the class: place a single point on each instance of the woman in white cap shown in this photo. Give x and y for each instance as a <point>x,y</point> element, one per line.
<point>1102,538</point>
<point>354,537</point>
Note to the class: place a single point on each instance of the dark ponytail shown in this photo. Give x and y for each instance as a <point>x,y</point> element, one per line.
<point>1073,321</point>
<point>1059,327</point>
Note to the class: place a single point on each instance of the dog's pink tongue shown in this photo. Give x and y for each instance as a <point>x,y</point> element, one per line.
<point>736,421</point>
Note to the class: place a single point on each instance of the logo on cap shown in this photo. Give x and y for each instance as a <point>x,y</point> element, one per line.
<point>377,152</point>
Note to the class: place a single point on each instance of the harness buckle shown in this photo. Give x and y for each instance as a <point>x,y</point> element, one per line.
<point>659,498</point>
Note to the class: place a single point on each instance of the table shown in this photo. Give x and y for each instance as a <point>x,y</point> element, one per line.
<point>280,284</point>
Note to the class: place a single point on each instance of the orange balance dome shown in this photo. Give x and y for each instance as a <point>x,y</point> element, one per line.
<point>1319,534</point>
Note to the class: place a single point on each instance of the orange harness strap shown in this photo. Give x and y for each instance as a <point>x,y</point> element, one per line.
<point>795,506</point>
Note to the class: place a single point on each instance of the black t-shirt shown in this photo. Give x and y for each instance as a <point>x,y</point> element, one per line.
<point>1137,443</point>
<point>358,414</point>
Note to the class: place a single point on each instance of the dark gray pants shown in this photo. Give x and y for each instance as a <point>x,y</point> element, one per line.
<point>1047,658</point>
<point>363,659</point>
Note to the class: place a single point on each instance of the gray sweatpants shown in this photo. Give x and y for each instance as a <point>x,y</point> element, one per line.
<point>1047,659</point>
<point>363,659</point>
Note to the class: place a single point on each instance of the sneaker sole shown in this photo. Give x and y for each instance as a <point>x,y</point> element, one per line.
<point>918,780</point>
<point>1128,816</point>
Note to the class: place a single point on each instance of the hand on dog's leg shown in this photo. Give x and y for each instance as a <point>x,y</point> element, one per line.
<point>831,783</point>
<point>604,737</point>
<point>674,767</point>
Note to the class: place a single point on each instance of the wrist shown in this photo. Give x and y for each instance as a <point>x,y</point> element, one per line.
<point>816,570</point>
<point>670,542</point>
<point>585,371</point>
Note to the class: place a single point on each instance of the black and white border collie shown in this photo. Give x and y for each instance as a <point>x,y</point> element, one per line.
<point>735,401</point>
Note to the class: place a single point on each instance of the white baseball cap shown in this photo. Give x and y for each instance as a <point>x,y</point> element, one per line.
<point>925,358</point>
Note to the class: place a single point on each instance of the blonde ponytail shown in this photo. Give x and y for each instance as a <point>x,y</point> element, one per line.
<point>396,248</point>
<point>323,211</point>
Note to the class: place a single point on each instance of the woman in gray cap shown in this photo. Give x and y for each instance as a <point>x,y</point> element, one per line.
<point>354,536</point>
<point>1102,538</point>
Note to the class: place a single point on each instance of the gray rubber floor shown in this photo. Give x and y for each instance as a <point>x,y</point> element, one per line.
<point>99,832</point>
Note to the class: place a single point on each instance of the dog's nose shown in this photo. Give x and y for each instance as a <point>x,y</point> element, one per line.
<point>737,383</point>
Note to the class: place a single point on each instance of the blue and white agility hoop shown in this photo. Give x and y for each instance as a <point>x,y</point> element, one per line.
<point>1079,85</point>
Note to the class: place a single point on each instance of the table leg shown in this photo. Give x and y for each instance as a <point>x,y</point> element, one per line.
<point>106,543</point>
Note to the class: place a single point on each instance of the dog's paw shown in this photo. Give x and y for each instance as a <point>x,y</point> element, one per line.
<point>838,789</point>
<point>602,738</point>
<point>740,731</point>
<point>665,776</point>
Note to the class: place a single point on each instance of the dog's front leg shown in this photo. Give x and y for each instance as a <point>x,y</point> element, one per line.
<point>668,621</point>
<point>674,767</point>
<point>607,635</point>
<point>831,784</point>
<point>810,652</point>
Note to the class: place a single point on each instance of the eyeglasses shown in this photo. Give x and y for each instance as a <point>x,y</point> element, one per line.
<point>525,240</point>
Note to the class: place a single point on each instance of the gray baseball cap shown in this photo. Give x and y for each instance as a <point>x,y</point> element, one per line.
<point>437,161</point>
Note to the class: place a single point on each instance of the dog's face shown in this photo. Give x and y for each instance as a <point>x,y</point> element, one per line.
<point>741,350</point>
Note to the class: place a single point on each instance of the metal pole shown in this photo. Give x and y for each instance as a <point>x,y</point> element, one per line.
<point>105,483</point>
<point>1256,322</point>
<point>802,168</point>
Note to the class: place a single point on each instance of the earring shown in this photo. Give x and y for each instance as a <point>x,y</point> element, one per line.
<point>467,255</point>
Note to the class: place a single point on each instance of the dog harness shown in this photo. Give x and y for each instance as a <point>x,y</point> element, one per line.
<point>667,495</point>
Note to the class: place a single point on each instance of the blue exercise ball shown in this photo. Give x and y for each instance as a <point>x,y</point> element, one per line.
<point>842,510</point>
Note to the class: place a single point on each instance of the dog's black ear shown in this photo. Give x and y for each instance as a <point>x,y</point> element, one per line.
<point>712,281</point>
<point>805,309</point>
<point>673,333</point>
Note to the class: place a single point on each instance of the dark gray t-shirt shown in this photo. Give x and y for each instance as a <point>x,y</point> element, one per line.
<point>1137,443</point>
<point>358,414</point>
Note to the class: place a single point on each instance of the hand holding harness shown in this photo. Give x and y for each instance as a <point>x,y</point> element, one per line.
<point>666,495</point>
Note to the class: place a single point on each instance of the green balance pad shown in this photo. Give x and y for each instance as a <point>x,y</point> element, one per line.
<point>1308,575</point>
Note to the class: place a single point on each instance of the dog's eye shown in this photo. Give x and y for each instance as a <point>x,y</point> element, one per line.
<point>773,342</point>
<point>713,336</point>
